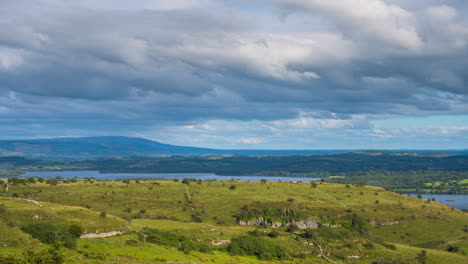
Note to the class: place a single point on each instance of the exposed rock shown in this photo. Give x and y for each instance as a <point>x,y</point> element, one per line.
<point>301,224</point>
<point>383,223</point>
<point>306,224</point>
<point>331,226</point>
<point>108,234</point>
<point>36,217</point>
<point>276,224</point>
<point>219,242</point>
<point>253,222</point>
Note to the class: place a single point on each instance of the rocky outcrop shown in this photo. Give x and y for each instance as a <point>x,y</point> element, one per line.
<point>301,224</point>
<point>219,242</point>
<point>383,223</point>
<point>252,222</point>
<point>331,226</point>
<point>109,234</point>
<point>306,224</point>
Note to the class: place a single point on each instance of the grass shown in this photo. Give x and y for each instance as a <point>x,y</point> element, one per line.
<point>409,222</point>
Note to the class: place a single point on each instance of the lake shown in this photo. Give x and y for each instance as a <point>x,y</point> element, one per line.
<point>458,201</point>
<point>169,176</point>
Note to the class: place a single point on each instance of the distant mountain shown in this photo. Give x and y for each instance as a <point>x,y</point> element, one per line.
<point>107,147</point>
<point>110,147</point>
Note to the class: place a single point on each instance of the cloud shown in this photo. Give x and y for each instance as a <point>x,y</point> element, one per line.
<point>374,19</point>
<point>160,65</point>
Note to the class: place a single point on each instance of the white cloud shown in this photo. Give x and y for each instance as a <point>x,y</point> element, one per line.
<point>251,141</point>
<point>374,19</point>
<point>442,13</point>
<point>10,59</point>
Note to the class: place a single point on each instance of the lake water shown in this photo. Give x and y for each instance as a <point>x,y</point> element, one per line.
<point>458,201</point>
<point>180,176</point>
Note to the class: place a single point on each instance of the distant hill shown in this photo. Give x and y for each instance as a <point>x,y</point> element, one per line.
<point>110,147</point>
<point>107,147</point>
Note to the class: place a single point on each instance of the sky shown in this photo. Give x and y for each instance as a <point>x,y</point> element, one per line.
<point>257,74</point>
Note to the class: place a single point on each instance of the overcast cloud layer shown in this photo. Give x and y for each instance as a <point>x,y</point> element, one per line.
<point>309,74</point>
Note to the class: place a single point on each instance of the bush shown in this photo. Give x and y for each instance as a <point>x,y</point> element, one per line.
<point>394,260</point>
<point>232,187</point>
<point>274,234</point>
<point>186,181</point>
<point>387,245</point>
<point>131,242</point>
<point>358,224</point>
<point>182,243</point>
<point>103,214</point>
<point>453,248</point>
<point>422,257</point>
<point>75,230</point>
<point>49,234</point>
<point>259,247</point>
<point>52,255</point>
<point>256,233</point>
<point>292,228</point>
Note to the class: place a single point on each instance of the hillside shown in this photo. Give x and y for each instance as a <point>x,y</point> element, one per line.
<point>108,147</point>
<point>92,147</point>
<point>201,222</point>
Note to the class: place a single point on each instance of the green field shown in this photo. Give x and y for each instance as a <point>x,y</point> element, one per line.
<point>367,223</point>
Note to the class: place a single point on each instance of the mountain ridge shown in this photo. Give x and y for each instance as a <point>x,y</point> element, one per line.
<point>120,146</point>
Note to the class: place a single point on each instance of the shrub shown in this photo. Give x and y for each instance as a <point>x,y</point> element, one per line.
<point>256,233</point>
<point>51,255</point>
<point>49,234</point>
<point>387,245</point>
<point>394,260</point>
<point>292,228</point>
<point>186,181</point>
<point>453,248</point>
<point>259,247</point>
<point>182,243</point>
<point>232,187</point>
<point>422,257</point>
<point>75,230</point>
<point>273,234</point>
<point>358,223</point>
<point>131,242</point>
<point>103,214</point>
